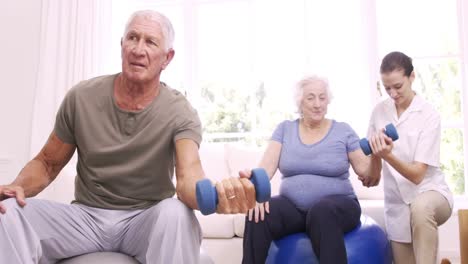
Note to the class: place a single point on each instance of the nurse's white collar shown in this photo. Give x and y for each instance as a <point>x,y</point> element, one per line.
<point>416,104</point>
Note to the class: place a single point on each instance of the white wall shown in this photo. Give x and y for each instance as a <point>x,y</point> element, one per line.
<point>19,46</point>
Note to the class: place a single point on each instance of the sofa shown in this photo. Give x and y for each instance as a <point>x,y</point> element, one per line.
<point>222,234</point>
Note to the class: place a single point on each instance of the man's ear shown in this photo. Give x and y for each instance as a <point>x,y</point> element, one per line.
<point>169,56</point>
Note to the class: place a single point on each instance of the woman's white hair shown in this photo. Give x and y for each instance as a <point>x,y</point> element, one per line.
<point>162,20</point>
<point>306,80</point>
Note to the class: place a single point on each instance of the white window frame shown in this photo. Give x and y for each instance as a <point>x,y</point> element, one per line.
<point>462,7</point>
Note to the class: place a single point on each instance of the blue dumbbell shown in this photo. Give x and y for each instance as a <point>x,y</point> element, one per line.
<point>207,196</point>
<point>390,131</point>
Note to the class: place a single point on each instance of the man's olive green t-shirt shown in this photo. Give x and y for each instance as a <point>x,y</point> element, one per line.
<point>125,159</point>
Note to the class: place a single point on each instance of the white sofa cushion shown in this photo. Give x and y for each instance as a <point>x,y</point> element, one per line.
<point>239,224</point>
<point>239,157</point>
<point>224,251</point>
<point>374,209</point>
<point>216,225</point>
<point>366,193</point>
<point>213,159</point>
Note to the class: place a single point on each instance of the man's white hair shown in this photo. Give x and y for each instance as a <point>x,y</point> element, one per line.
<point>306,80</point>
<point>162,20</point>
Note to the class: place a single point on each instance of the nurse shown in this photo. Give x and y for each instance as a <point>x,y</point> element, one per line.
<point>417,198</point>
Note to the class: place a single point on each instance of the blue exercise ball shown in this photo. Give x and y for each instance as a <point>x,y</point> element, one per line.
<point>366,244</point>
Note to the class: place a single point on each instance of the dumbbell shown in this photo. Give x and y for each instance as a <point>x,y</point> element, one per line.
<point>207,196</point>
<point>390,131</point>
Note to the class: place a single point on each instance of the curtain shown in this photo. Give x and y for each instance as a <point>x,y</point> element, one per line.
<point>73,39</point>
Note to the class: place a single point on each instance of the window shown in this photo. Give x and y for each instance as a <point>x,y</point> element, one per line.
<point>237,61</point>
<point>431,38</point>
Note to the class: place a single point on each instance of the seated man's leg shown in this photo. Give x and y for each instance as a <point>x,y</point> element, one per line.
<point>165,233</point>
<point>44,232</point>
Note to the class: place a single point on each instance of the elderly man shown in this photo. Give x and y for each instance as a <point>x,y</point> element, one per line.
<point>130,131</point>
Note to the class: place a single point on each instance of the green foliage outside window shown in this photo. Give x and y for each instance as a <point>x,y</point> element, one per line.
<point>230,108</point>
<point>452,159</point>
<point>439,82</point>
<point>225,109</point>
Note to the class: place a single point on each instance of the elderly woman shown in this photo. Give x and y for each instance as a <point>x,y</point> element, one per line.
<point>316,196</point>
<point>417,198</point>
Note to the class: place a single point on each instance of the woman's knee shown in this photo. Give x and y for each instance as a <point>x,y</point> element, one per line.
<point>321,211</point>
<point>421,213</point>
<point>341,211</point>
<point>430,206</point>
<point>281,211</point>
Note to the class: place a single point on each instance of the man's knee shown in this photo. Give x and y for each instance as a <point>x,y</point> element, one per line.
<point>13,209</point>
<point>175,209</point>
<point>173,212</point>
<point>174,216</point>
<point>10,205</point>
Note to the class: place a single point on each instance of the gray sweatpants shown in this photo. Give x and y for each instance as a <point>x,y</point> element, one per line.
<point>45,232</point>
